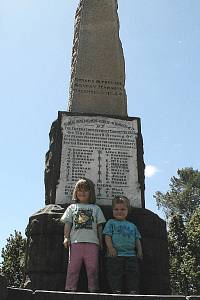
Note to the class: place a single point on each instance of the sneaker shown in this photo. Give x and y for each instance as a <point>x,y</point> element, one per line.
<point>116,292</point>
<point>133,293</point>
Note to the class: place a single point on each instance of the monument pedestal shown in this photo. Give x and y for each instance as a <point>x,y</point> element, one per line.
<point>3,287</point>
<point>109,150</point>
<point>47,258</point>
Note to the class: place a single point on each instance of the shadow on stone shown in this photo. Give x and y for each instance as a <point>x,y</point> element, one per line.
<point>19,294</point>
<point>3,287</point>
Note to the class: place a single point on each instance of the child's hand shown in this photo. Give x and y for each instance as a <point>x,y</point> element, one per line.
<point>140,255</point>
<point>112,252</point>
<point>66,242</point>
<point>101,247</point>
<point>139,249</point>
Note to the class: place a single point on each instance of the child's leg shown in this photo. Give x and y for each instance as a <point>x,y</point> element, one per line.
<point>115,272</point>
<point>91,261</point>
<point>132,274</point>
<point>74,266</point>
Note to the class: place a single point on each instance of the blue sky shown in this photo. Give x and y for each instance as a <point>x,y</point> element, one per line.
<point>161,41</point>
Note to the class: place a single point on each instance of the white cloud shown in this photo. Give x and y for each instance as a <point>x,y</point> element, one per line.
<point>150,170</point>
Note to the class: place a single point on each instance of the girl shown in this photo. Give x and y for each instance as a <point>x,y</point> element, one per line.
<point>83,235</point>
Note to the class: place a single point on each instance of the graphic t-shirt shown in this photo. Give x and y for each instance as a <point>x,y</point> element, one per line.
<point>124,234</point>
<point>84,219</point>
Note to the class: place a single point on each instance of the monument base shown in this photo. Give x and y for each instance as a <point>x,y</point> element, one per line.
<point>3,287</point>
<point>46,262</point>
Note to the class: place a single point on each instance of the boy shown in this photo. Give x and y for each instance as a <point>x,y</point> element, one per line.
<point>122,238</point>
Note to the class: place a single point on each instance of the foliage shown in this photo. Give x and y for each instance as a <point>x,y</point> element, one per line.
<point>183,198</point>
<point>192,253</point>
<point>177,239</point>
<point>181,205</point>
<point>12,266</point>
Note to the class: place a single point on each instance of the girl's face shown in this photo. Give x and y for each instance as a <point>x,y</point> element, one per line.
<point>83,195</point>
<point>120,211</point>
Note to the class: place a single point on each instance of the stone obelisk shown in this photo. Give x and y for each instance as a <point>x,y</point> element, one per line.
<point>95,139</point>
<point>99,140</point>
<point>97,72</point>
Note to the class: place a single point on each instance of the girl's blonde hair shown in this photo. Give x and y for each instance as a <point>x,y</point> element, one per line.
<point>88,185</point>
<point>121,199</point>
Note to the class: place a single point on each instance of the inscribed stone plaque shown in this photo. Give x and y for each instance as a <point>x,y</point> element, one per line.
<point>104,150</point>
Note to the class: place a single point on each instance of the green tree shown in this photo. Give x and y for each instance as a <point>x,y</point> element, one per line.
<point>12,266</point>
<point>192,254</point>
<point>177,240</point>
<point>183,198</point>
<point>181,205</point>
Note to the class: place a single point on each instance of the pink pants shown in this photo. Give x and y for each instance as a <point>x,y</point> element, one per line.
<point>79,253</point>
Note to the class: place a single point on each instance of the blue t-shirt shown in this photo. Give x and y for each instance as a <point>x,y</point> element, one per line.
<point>124,235</point>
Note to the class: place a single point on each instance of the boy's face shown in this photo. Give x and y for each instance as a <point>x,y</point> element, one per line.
<point>120,211</point>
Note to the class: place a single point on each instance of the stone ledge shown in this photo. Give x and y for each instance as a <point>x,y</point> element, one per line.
<point>19,294</point>
<point>50,295</point>
<point>24,294</point>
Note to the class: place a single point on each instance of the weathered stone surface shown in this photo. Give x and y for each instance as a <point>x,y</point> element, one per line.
<point>45,295</point>
<point>3,287</point>
<point>52,162</point>
<point>58,159</point>
<point>104,149</point>
<point>45,237</point>
<point>22,294</point>
<point>47,258</point>
<point>50,281</point>
<point>97,73</point>
<point>19,294</point>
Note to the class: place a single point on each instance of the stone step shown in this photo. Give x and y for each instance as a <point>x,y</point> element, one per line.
<point>23,294</point>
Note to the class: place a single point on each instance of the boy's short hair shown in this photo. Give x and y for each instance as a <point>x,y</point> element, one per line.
<point>121,199</point>
<point>86,184</point>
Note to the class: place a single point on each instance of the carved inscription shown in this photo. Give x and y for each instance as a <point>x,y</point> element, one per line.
<point>96,86</point>
<point>104,150</point>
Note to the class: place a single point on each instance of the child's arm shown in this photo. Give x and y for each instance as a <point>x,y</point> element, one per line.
<point>139,249</point>
<point>67,229</point>
<point>111,250</point>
